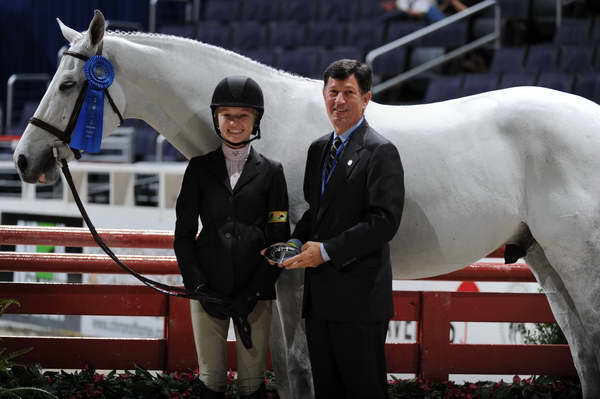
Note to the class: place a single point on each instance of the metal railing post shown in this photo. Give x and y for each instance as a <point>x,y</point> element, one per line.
<point>152,16</point>
<point>10,90</point>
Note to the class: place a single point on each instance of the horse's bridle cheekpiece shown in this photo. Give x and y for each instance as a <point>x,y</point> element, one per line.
<point>88,132</point>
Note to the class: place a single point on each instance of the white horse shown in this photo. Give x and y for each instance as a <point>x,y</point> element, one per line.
<point>518,165</point>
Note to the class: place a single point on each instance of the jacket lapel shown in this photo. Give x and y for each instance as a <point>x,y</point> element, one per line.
<point>250,171</point>
<point>219,169</point>
<point>347,162</point>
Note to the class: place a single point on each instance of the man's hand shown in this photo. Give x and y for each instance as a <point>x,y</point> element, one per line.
<point>309,257</point>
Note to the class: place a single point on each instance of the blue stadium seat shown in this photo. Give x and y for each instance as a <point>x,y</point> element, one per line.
<point>453,35</point>
<point>259,10</point>
<point>264,56</point>
<point>595,34</point>
<point>221,10</point>
<point>325,33</point>
<point>573,31</point>
<point>287,34</point>
<point>365,34</point>
<point>479,83</point>
<point>298,10</point>
<point>542,58</point>
<point>442,88</point>
<point>588,86</point>
<point>338,53</point>
<point>398,29</point>
<point>391,63</point>
<point>370,9</point>
<point>556,81</point>
<point>338,10</point>
<point>508,59</point>
<point>178,30</point>
<point>514,79</point>
<point>576,59</point>
<point>303,61</point>
<point>248,35</point>
<point>514,9</point>
<point>213,32</point>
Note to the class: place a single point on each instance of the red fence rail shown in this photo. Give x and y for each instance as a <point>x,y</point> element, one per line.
<point>431,357</point>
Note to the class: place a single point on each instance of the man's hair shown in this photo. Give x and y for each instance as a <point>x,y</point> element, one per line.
<point>343,69</point>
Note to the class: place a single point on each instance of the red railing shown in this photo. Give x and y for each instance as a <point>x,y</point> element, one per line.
<point>431,357</point>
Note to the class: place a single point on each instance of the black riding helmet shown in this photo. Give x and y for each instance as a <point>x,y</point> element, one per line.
<point>238,91</point>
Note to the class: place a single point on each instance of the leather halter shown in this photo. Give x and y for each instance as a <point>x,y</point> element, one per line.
<point>65,135</point>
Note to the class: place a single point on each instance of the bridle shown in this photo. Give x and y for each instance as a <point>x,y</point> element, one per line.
<point>65,135</point>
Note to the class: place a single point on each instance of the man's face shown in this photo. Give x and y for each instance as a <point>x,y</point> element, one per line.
<point>345,102</point>
<point>236,123</point>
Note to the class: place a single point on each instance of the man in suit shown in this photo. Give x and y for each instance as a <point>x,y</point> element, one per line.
<point>354,186</point>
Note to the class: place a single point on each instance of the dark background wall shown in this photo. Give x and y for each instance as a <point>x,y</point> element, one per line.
<point>30,37</point>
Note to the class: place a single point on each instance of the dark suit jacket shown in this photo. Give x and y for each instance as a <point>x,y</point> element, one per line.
<point>226,254</point>
<point>357,215</point>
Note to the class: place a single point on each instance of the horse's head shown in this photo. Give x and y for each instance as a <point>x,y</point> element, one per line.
<point>46,138</point>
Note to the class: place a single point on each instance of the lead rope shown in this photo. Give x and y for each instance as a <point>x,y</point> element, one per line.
<point>156,285</point>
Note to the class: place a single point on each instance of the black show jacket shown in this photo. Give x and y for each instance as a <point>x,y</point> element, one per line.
<point>355,218</point>
<point>226,253</point>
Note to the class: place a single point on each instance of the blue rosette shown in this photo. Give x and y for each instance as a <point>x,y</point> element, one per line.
<point>87,135</point>
<point>99,72</point>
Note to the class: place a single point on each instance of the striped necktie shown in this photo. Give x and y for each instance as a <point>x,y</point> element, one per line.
<point>332,156</point>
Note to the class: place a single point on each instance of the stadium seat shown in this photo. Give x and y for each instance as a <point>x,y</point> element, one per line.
<point>221,10</point>
<point>588,86</point>
<point>576,59</point>
<point>573,31</point>
<point>259,10</point>
<point>479,83</point>
<point>325,33</point>
<point>264,56</point>
<point>338,53</point>
<point>391,63</point>
<point>298,10</point>
<point>453,35</point>
<point>365,34</point>
<point>556,81</point>
<point>287,34</point>
<point>338,10</point>
<point>513,79</point>
<point>595,34</point>
<point>442,88</point>
<point>178,30</point>
<point>213,32</point>
<point>514,9</point>
<point>508,59</point>
<point>248,35</point>
<point>303,61</point>
<point>398,29</point>
<point>369,9</point>
<point>542,58</point>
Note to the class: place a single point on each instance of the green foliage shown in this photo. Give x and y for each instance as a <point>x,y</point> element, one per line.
<point>7,358</point>
<point>140,384</point>
<point>541,333</point>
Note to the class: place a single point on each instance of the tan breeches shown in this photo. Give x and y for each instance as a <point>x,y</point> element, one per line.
<point>210,336</point>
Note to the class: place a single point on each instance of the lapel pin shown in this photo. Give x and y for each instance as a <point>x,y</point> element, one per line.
<point>349,162</point>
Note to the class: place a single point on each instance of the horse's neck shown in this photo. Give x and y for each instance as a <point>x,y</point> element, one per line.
<point>168,82</point>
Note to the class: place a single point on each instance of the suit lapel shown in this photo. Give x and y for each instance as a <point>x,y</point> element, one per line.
<point>250,171</point>
<point>347,162</point>
<point>219,169</point>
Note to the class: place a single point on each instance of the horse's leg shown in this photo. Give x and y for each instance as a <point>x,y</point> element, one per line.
<point>289,349</point>
<point>567,310</point>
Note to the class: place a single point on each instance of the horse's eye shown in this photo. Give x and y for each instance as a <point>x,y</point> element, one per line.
<point>67,85</point>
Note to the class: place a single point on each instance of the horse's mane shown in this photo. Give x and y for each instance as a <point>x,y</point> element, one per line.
<point>158,37</point>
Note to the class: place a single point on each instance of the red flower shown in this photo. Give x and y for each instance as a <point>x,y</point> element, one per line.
<point>98,377</point>
<point>516,379</point>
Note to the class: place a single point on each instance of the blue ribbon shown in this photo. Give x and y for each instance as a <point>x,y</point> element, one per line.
<point>87,135</point>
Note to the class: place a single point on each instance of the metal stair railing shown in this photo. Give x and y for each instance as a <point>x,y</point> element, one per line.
<point>403,41</point>
<point>10,91</point>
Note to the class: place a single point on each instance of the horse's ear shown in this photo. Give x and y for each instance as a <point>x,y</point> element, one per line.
<point>70,34</point>
<point>96,28</point>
